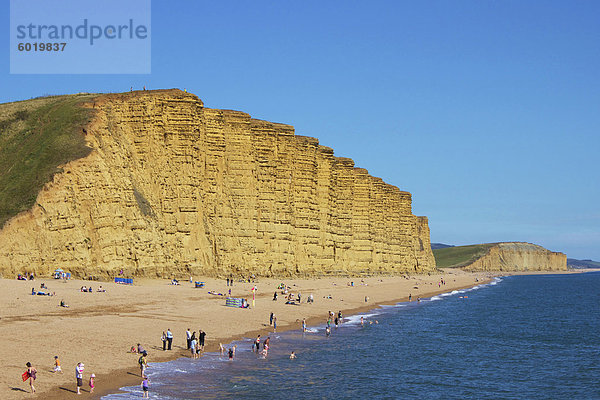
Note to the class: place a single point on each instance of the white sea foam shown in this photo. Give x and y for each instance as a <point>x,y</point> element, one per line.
<point>388,306</point>
<point>355,319</point>
<point>181,371</point>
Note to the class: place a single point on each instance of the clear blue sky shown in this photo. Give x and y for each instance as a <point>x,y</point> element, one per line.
<point>488,112</point>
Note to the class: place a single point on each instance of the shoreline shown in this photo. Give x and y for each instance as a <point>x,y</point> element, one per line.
<point>124,378</point>
<point>104,351</point>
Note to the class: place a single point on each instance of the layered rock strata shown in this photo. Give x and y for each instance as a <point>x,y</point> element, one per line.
<point>172,188</point>
<point>517,256</point>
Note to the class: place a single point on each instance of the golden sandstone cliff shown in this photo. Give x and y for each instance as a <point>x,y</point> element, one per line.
<point>517,256</point>
<point>172,188</point>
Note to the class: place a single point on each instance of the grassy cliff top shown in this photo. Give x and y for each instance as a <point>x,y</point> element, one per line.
<point>36,137</point>
<point>459,256</point>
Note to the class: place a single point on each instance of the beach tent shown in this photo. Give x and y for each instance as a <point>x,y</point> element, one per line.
<point>124,281</point>
<point>58,272</point>
<point>199,284</point>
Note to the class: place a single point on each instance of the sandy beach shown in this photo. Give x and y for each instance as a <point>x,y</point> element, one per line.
<point>99,328</point>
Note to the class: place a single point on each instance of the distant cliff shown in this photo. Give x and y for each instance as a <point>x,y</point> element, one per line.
<point>517,256</point>
<point>173,188</point>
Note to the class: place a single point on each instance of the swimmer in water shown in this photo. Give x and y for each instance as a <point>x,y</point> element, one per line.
<point>292,356</point>
<point>362,321</point>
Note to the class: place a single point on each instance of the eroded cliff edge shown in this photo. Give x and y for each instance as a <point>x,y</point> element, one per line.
<point>173,188</point>
<point>517,256</point>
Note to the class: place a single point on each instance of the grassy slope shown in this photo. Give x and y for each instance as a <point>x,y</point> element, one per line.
<point>37,136</point>
<point>574,263</point>
<point>459,256</point>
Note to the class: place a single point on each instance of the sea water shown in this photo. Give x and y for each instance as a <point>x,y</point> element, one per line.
<point>520,337</point>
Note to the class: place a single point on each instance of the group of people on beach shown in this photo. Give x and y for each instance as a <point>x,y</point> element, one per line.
<point>256,345</point>
<point>31,375</point>
<point>25,276</point>
<point>90,290</point>
<point>289,296</point>
<point>195,344</point>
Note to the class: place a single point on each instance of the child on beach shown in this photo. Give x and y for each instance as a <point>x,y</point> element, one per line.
<point>231,352</point>
<point>31,374</point>
<point>145,386</point>
<point>57,365</point>
<point>91,383</point>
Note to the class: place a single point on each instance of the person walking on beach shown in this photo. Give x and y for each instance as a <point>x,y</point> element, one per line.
<point>31,373</point>
<point>271,319</point>
<point>340,316</point>
<point>201,338</point>
<point>169,338</point>
<point>79,376</point>
<point>335,321</point>
<point>188,336</point>
<point>303,324</point>
<point>145,386</point>
<point>231,353</point>
<point>164,340</point>
<point>274,324</point>
<point>409,297</point>
<point>143,362</point>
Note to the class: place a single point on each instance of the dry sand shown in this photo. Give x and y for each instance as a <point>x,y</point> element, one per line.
<point>98,329</point>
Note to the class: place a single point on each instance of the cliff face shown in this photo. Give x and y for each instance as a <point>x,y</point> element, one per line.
<point>174,188</point>
<point>519,257</point>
